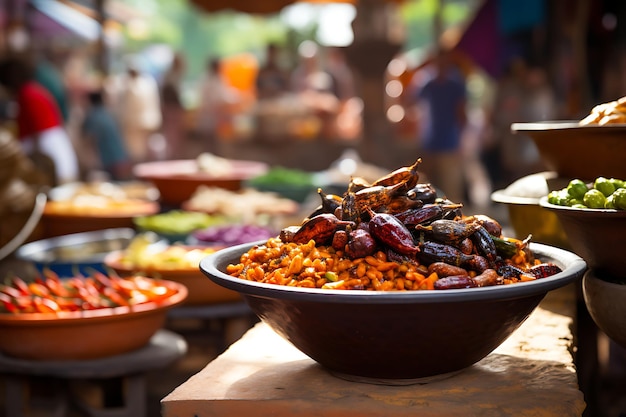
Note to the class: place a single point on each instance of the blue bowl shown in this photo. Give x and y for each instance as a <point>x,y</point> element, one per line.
<point>76,253</point>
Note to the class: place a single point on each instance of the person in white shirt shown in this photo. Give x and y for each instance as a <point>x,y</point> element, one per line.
<point>136,102</point>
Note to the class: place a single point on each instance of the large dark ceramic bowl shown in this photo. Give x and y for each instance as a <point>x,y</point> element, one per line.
<point>578,151</point>
<point>597,235</point>
<point>408,335</point>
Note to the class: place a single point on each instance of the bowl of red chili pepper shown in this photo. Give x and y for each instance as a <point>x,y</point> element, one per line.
<point>82,317</point>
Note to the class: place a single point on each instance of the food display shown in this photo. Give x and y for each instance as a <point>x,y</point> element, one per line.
<point>177,223</point>
<point>291,183</point>
<point>245,204</point>
<point>232,234</point>
<point>174,262</point>
<point>178,180</point>
<point>50,294</point>
<point>613,112</point>
<point>392,234</point>
<point>101,198</point>
<point>142,254</point>
<point>602,193</point>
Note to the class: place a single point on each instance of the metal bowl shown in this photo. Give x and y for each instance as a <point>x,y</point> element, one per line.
<point>526,216</point>
<point>395,335</point>
<point>75,253</point>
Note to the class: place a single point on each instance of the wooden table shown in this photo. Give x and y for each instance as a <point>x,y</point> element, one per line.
<point>530,374</point>
<point>119,378</point>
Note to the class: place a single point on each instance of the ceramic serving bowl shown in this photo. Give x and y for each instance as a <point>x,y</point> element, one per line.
<point>396,335</point>
<point>597,235</point>
<point>606,302</point>
<point>85,335</point>
<point>178,180</point>
<point>526,216</point>
<point>66,217</point>
<point>578,151</point>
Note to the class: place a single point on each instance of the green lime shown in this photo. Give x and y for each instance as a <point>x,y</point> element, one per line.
<point>619,198</point>
<point>594,198</point>
<point>577,188</point>
<point>575,202</point>
<point>603,185</point>
<point>580,206</point>
<point>617,183</point>
<point>558,198</point>
<point>610,202</point>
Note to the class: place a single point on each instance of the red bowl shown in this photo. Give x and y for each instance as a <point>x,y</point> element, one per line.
<point>83,335</point>
<point>177,180</point>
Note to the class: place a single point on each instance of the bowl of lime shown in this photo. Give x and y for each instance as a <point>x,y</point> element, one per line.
<point>593,216</point>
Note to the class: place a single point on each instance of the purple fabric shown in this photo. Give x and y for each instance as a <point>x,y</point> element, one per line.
<point>482,40</point>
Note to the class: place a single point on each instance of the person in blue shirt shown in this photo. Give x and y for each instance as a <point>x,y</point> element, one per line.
<point>442,99</point>
<point>101,127</point>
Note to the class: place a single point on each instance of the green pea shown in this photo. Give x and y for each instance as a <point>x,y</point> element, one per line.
<point>594,198</point>
<point>577,188</point>
<point>610,202</point>
<point>619,198</point>
<point>603,185</point>
<point>580,206</point>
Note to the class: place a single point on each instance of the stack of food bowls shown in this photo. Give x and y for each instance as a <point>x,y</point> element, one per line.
<point>597,235</point>
<point>526,216</point>
<point>586,150</point>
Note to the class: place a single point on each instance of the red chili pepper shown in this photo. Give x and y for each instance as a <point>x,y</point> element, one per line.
<point>45,305</point>
<point>10,291</point>
<point>38,289</point>
<point>7,304</point>
<point>115,297</point>
<point>57,288</point>
<point>20,285</point>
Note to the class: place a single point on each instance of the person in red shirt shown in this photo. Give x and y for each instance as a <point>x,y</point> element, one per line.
<point>39,121</point>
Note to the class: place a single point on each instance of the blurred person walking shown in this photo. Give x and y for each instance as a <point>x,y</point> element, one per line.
<point>135,98</point>
<point>172,108</point>
<point>441,99</point>
<point>101,129</point>
<point>271,81</point>
<point>39,121</point>
<point>218,102</point>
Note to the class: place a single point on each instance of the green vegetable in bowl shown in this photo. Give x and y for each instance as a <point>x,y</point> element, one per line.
<point>605,186</point>
<point>602,193</point>
<point>177,221</point>
<point>619,198</point>
<point>577,188</point>
<point>594,198</point>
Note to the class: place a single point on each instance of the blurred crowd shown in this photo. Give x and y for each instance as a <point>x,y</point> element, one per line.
<point>100,127</point>
<point>105,124</point>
